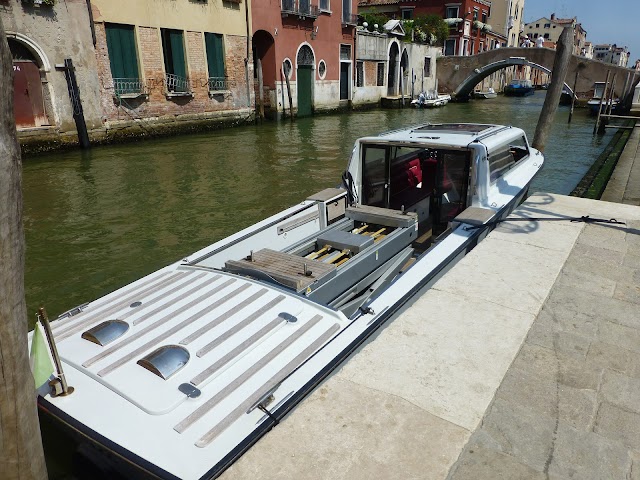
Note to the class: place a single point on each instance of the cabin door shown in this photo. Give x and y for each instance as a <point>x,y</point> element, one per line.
<point>452,184</point>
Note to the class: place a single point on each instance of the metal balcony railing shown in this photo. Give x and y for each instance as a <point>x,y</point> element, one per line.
<point>218,84</point>
<point>349,19</point>
<point>128,86</point>
<point>302,8</point>
<point>177,84</point>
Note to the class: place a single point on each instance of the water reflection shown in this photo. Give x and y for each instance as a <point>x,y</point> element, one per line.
<point>97,220</point>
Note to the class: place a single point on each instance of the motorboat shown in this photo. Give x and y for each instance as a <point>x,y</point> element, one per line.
<point>431,99</point>
<point>519,88</point>
<point>177,374</point>
<point>596,102</point>
<point>485,94</point>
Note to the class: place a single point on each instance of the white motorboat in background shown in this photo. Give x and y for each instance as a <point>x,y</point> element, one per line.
<point>430,99</point>
<point>177,374</point>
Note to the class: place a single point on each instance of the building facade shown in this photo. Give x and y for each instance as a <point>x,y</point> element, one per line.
<point>386,66</point>
<point>305,54</point>
<point>43,107</point>
<point>469,29</point>
<point>611,54</point>
<point>180,60</point>
<point>507,20</point>
<point>551,28</point>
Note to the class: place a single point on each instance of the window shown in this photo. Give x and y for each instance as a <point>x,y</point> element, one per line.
<point>325,6</point>
<point>484,17</point>
<point>322,69</point>
<point>475,14</point>
<point>380,75</point>
<point>359,74</point>
<point>174,61</point>
<point>546,35</point>
<point>504,158</point>
<point>427,66</point>
<point>123,58</point>
<point>547,25</point>
<point>407,14</point>
<point>535,35</point>
<point>450,46</point>
<point>286,67</point>
<point>452,12</point>
<point>537,25</point>
<point>215,61</point>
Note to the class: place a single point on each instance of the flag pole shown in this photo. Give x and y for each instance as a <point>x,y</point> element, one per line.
<point>59,384</point>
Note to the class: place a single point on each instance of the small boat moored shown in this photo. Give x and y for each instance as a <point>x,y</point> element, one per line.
<point>485,94</point>
<point>519,88</point>
<point>431,99</point>
<point>177,374</point>
<point>596,101</point>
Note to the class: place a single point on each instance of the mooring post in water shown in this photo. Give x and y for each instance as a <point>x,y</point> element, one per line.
<point>602,97</point>
<point>260,89</point>
<point>76,103</point>
<point>560,67</point>
<point>286,77</point>
<point>284,105</point>
<point>573,96</point>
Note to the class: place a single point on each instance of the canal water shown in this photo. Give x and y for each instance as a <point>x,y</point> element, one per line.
<point>99,219</point>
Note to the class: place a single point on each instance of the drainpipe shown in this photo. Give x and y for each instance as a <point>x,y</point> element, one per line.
<point>91,24</point>
<point>246,60</point>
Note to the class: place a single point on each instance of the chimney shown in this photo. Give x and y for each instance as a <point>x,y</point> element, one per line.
<point>553,16</point>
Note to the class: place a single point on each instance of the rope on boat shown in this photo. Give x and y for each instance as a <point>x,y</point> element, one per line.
<point>584,218</point>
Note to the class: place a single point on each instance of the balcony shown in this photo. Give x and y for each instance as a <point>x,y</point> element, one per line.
<point>128,87</point>
<point>177,86</point>
<point>349,19</point>
<point>301,8</point>
<point>218,84</point>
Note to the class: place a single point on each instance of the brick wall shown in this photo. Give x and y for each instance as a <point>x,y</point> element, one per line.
<point>157,104</point>
<point>370,74</point>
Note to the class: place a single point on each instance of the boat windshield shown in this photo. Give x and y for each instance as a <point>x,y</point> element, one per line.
<point>403,177</point>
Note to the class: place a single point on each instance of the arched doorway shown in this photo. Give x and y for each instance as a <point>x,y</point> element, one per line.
<point>265,69</point>
<point>28,98</point>
<point>404,72</point>
<point>392,74</point>
<point>305,63</point>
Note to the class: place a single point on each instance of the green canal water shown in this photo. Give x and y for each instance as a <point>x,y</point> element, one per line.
<point>97,220</point>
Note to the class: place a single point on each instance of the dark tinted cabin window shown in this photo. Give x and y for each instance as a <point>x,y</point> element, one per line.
<point>375,173</point>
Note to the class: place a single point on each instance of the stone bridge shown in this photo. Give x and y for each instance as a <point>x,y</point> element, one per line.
<point>459,75</point>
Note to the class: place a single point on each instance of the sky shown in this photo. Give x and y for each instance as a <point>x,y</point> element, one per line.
<point>610,21</point>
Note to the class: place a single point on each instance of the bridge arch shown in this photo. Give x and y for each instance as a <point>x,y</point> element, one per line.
<point>478,74</point>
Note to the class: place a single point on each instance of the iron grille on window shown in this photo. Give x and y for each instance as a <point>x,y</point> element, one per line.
<point>218,83</point>
<point>345,52</point>
<point>125,86</point>
<point>359,74</point>
<point>302,8</point>
<point>380,75</point>
<point>177,84</point>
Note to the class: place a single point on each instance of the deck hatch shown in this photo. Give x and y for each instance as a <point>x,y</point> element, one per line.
<point>106,332</point>
<point>165,361</point>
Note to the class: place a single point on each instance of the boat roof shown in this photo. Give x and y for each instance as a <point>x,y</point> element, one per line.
<point>457,135</point>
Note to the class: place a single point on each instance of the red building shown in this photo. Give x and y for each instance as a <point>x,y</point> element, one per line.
<point>312,44</point>
<point>469,31</point>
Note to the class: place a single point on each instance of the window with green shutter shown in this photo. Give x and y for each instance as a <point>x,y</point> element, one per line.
<point>215,60</point>
<point>175,64</point>
<point>123,58</point>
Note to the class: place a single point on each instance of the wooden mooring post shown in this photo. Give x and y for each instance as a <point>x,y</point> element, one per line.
<point>560,68</point>
<point>604,94</point>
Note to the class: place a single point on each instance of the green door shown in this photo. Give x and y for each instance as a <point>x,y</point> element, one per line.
<point>305,77</point>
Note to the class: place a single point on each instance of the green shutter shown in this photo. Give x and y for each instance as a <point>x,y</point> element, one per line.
<point>215,54</point>
<point>177,53</point>
<point>122,51</point>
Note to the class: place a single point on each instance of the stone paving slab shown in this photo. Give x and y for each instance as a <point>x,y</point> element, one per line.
<point>624,184</point>
<point>532,376</point>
